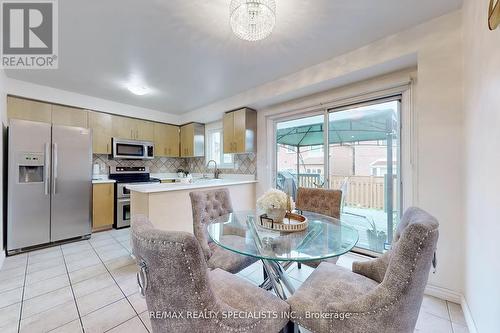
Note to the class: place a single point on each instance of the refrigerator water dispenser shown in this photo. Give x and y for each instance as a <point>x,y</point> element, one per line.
<point>31,168</point>
<point>30,174</point>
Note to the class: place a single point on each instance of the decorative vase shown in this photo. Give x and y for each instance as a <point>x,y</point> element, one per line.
<point>276,214</point>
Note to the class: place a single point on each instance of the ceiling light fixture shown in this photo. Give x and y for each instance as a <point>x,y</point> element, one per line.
<point>139,89</point>
<point>252,20</point>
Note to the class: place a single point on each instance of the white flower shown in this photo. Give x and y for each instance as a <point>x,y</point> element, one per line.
<point>272,199</point>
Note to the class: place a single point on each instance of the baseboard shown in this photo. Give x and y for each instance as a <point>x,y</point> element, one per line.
<point>455,297</point>
<point>443,293</point>
<point>468,316</point>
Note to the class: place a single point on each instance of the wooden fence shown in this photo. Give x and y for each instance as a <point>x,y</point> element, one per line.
<point>364,191</point>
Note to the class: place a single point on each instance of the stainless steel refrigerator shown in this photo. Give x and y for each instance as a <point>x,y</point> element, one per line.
<point>49,184</point>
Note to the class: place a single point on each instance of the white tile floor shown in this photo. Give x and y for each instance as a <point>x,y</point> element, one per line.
<point>90,286</point>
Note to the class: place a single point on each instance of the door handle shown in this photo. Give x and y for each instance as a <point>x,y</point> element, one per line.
<point>47,170</point>
<point>54,168</point>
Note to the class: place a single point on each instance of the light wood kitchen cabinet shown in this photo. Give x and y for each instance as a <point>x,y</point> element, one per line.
<point>240,131</point>
<point>102,132</point>
<point>173,140</point>
<point>20,108</point>
<point>132,129</point>
<point>166,139</point>
<point>193,140</point>
<point>144,130</point>
<point>68,116</point>
<point>123,127</point>
<point>103,206</point>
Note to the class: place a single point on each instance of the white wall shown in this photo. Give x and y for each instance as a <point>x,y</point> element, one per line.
<point>482,135</point>
<point>438,110</point>
<point>49,94</point>
<point>3,122</point>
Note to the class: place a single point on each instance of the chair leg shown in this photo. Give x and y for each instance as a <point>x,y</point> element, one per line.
<point>265,273</point>
<point>299,265</point>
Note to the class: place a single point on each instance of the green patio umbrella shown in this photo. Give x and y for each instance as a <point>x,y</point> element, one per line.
<point>347,127</point>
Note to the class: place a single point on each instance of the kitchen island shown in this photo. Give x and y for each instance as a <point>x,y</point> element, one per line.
<point>168,205</point>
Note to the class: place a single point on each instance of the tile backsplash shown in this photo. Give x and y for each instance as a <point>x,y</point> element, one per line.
<point>157,165</point>
<point>243,164</point>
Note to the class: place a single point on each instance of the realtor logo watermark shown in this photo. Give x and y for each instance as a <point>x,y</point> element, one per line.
<point>29,34</point>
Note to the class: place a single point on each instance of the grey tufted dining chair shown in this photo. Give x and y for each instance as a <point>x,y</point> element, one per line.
<point>381,295</point>
<point>175,280</point>
<point>206,206</point>
<point>321,201</point>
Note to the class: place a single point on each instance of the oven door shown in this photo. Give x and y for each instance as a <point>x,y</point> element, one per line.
<point>122,213</point>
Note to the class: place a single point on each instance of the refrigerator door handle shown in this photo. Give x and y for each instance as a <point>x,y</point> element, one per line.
<point>54,168</point>
<point>47,169</point>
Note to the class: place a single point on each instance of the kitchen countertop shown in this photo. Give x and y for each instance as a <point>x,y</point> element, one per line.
<point>102,179</point>
<point>164,176</point>
<point>167,187</point>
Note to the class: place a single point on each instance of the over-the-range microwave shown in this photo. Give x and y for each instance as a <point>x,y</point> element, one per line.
<point>133,149</point>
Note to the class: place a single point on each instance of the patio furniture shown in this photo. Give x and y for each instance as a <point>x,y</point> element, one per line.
<point>174,278</point>
<point>381,295</point>
<point>321,201</point>
<point>208,205</point>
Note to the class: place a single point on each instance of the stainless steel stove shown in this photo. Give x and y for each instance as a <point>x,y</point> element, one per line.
<point>125,176</point>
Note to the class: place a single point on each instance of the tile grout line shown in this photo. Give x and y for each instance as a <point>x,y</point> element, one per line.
<point>22,297</point>
<point>73,293</point>
<point>137,314</point>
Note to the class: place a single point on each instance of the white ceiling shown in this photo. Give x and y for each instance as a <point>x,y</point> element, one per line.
<point>185,50</point>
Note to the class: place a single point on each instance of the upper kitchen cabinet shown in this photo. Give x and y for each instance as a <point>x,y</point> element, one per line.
<point>102,132</point>
<point>123,127</point>
<point>68,116</point>
<point>144,130</point>
<point>166,139</point>
<point>193,140</point>
<point>240,131</point>
<point>20,108</point>
<point>132,129</point>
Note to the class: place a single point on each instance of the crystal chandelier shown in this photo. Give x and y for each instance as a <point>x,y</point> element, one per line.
<point>252,20</point>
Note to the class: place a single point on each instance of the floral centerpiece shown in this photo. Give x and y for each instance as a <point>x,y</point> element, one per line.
<point>274,203</point>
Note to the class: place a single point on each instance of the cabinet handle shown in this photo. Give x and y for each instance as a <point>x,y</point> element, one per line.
<point>107,148</point>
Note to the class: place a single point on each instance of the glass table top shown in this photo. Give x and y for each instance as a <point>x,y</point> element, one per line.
<point>325,237</point>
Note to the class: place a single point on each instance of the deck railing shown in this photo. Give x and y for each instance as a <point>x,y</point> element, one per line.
<point>363,191</point>
<point>312,180</point>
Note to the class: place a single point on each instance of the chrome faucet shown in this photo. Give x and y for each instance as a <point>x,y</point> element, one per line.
<point>216,171</point>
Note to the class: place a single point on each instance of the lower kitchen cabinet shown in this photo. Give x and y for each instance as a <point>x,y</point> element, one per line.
<point>103,206</point>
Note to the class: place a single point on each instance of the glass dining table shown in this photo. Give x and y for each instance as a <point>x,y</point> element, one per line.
<point>242,232</point>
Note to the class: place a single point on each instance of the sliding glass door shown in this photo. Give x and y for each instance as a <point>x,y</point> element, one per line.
<point>363,145</point>
<point>361,159</point>
<point>300,154</point>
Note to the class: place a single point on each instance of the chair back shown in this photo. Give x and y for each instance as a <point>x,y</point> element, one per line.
<point>206,206</point>
<point>173,274</point>
<point>319,200</point>
<point>410,261</point>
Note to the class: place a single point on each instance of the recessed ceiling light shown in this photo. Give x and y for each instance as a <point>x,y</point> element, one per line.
<point>139,89</point>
